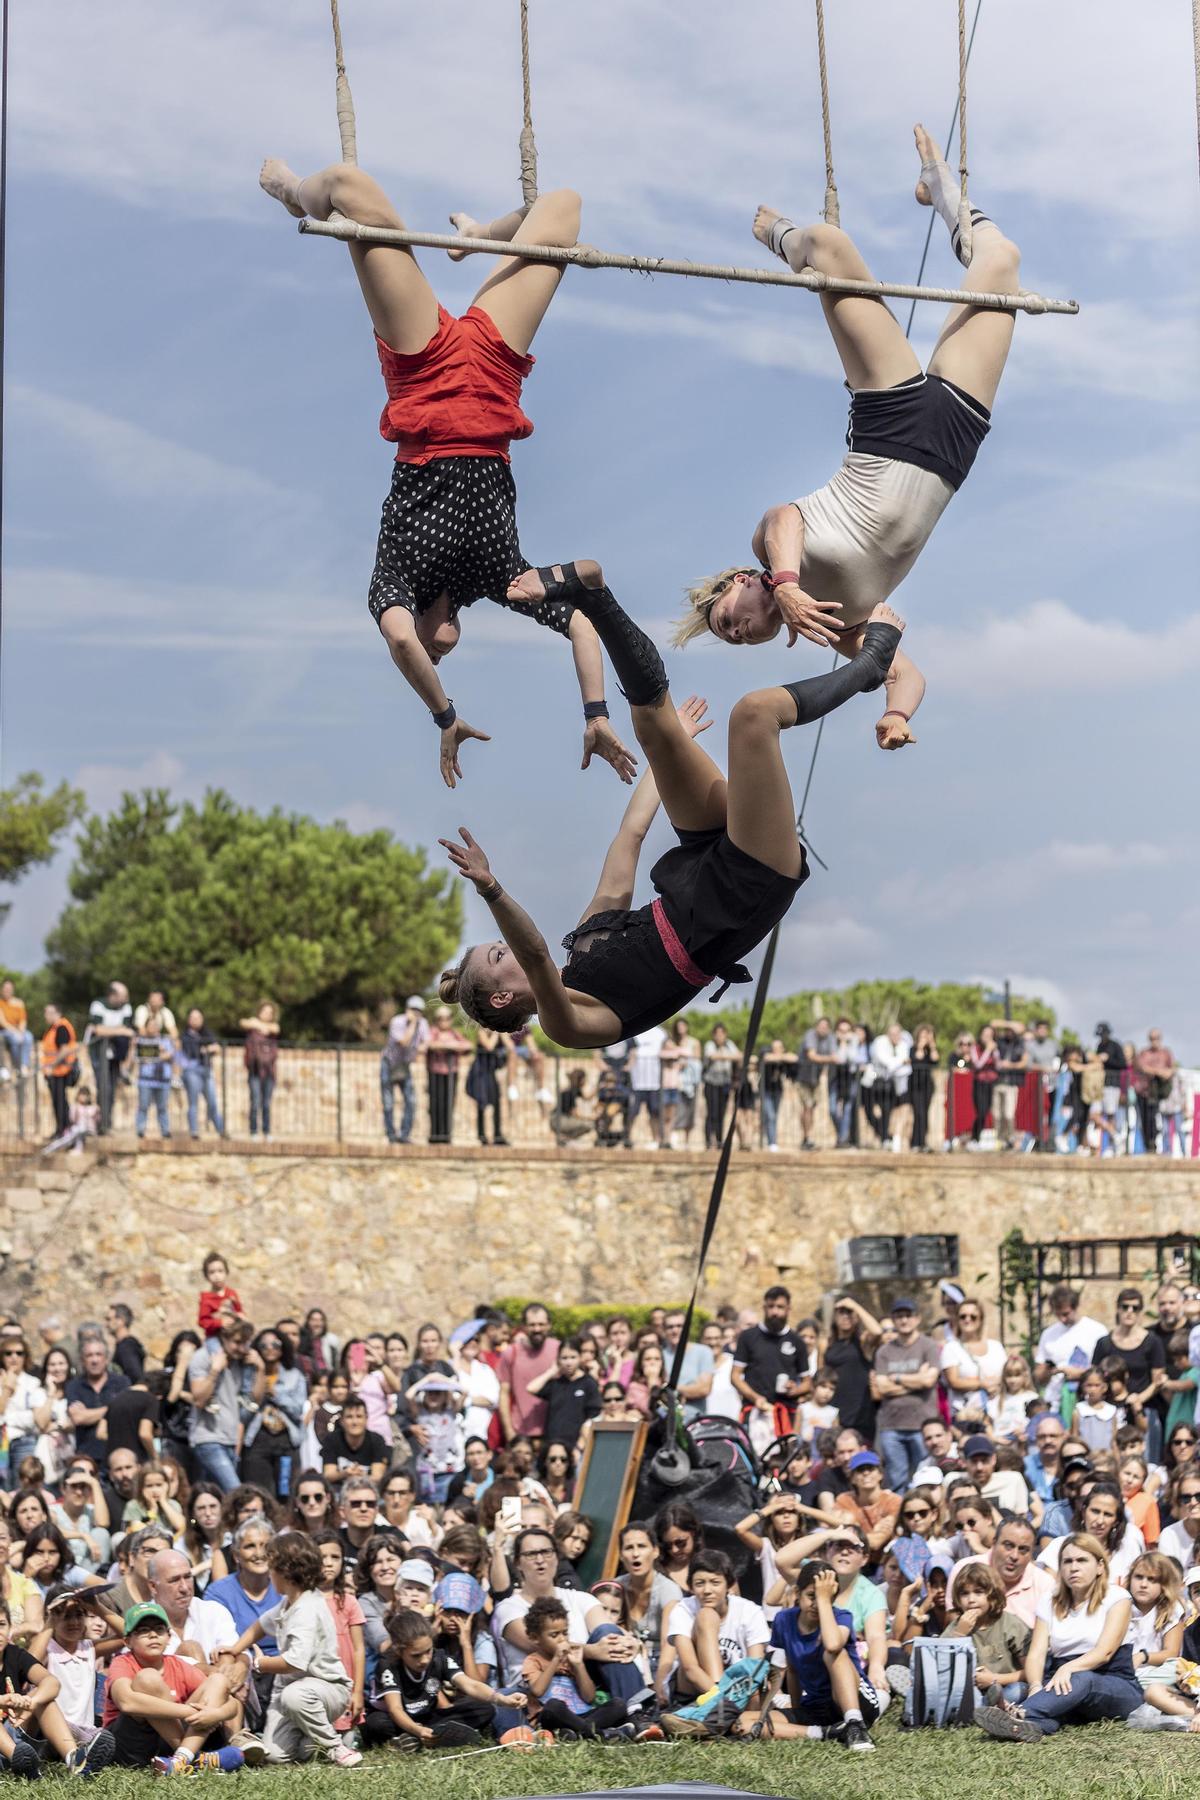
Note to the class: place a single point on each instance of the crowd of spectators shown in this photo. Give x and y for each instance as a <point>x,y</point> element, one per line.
<point>276,1544</point>
<point>1013,1088</point>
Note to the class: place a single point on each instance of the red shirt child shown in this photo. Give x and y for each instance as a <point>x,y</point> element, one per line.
<point>218,1297</point>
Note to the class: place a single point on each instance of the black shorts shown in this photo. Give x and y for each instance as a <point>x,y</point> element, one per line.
<point>826,1712</point>
<point>721,901</point>
<point>450,527</point>
<point>925,420</point>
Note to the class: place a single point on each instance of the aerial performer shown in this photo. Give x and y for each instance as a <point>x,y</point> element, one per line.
<point>828,560</point>
<point>731,878</point>
<point>448,536</point>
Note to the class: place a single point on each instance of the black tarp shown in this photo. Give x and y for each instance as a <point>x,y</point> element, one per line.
<point>670,1790</point>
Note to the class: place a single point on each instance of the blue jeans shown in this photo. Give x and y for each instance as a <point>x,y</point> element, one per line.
<point>903,1452</point>
<point>198,1078</point>
<point>15,1043</point>
<point>770,1115</point>
<point>1094,1695</point>
<point>261,1089</point>
<point>389,1080</point>
<point>621,1680</point>
<point>216,1462</point>
<point>153,1094</point>
<point>432,1489</point>
<point>841,1111</point>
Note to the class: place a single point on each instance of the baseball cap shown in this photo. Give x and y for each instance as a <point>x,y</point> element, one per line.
<point>951,1291</point>
<point>414,1003</point>
<point>904,1304</point>
<point>1191,1576</point>
<point>863,1459</point>
<point>459,1592</point>
<point>416,1570</point>
<point>979,1446</point>
<point>148,1611</point>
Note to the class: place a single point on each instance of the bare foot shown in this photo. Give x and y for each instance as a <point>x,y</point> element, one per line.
<point>528,586</point>
<point>283,184</point>
<point>764,218</point>
<point>465,226</point>
<point>929,153</point>
<point>883,615</point>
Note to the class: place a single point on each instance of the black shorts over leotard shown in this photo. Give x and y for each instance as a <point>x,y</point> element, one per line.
<point>720,902</point>
<point>450,526</point>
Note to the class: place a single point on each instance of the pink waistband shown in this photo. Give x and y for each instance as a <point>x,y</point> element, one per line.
<point>674,948</point>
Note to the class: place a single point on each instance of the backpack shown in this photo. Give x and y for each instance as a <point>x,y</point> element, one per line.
<point>943,1683</point>
<point>721,1706</point>
<point>723,1444</point>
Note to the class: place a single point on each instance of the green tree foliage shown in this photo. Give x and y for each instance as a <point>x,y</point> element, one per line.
<point>31,823</point>
<point>950,1007</point>
<point>221,906</point>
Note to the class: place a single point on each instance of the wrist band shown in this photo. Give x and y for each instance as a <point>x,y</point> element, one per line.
<point>492,893</point>
<point>780,577</point>
<point>595,709</point>
<point>893,712</point>
<point>444,720</point>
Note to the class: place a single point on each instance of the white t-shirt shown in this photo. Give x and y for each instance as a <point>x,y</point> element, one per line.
<point>1175,1542</point>
<point>578,1606</point>
<point>1008,1490</point>
<point>723,1400</point>
<point>1081,1630</point>
<point>645,1071</point>
<point>1120,1560</point>
<point>482,1399</point>
<point>75,1673</point>
<point>1144,1634</point>
<point>1056,1345</point>
<point>744,1624</point>
<point>956,1356</point>
<point>208,1624</point>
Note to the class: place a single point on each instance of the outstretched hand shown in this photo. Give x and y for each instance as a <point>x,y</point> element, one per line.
<point>820,621</point>
<point>599,739</point>
<point>892,733</point>
<point>452,737</point>
<point>691,715</point>
<point>471,861</point>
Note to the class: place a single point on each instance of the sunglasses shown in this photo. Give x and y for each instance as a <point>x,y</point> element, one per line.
<point>1183,1440</point>
<point>1191,1499</point>
<point>918,1512</point>
<point>318,1494</point>
<point>1129,1306</point>
<point>676,1543</point>
<point>357,1504</point>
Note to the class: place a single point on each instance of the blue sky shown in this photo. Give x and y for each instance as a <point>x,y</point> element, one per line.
<point>194,471</point>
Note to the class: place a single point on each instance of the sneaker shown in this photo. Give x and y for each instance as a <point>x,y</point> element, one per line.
<point>649,1734</point>
<point>526,1737</point>
<point>25,1760</point>
<point>773,1147</point>
<point>453,1731</point>
<point>218,1762</point>
<point>855,1736</point>
<point>616,1734</point>
<point>342,1757</point>
<point>544,1097</point>
<point>998,1722</point>
<point>899,1680</point>
<point>254,1751</point>
<point>179,1764</point>
<point>93,1756</point>
<point>404,1745</point>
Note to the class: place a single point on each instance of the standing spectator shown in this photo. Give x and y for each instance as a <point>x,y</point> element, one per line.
<point>60,1063</point>
<point>108,1038</point>
<point>532,1352</point>
<point>1116,1074</point>
<point>1065,1347</point>
<point>217,1378</point>
<point>891,1060</point>
<point>571,1397</point>
<point>1141,1350</point>
<point>154,1006</point>
<point>645,1080</point>
<point>128,1354</point>
<point>904,1383</point>
<point>14,1029</point>
<point>775,1070</point>
<point>1169,1306</point>
<point>850,1353</point>
<point>696,1375</point>
<point>972,1364</point>
<point>924,1061</point>
<point>1153,1071</point>
<point>683,1067</point>
<point>1041,1049</point>
<point>88,1395</point>
<point>493,1052</point>
<point>1043,1465</point>
<point>984,1060</point>
<point>722,1059</point>
<point>818,1050</point>
<point>408,1035</point>
<point>442,1051</point>
<point>198,1050</point>
<point>154,1060</point>
<point>23,1402</point>
<point>276,1399</point>
<point>770,1358</point>
<point>1011,1064</point>
<point>850,1058</point>
<point>260,1056</point>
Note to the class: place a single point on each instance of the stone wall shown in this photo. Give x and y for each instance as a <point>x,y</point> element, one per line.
<point>380,1239</point>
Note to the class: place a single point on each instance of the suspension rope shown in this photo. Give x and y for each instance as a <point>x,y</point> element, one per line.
<point>345,100</point>
<point>586,256</point>
<point>954,121</point>
<point>529,171</point>
<point>964,205</point>
<point>832,213</point>
<point>1196,59</point>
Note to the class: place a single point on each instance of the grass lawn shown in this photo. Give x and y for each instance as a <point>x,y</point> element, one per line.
<point>918,1765</point>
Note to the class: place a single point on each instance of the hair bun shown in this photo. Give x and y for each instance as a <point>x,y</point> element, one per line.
<point>448,986</point>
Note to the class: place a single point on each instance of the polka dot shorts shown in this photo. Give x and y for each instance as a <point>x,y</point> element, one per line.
<point>450,526</point>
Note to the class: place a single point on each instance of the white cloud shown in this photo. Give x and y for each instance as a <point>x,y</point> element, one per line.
<point>105,782</point>
<point>125,459</point>
<point>1048,647</point>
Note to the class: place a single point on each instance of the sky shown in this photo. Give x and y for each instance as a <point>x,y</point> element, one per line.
<point>194,471</point>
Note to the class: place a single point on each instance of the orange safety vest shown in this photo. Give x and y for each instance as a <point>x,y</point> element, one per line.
<point>59,1059</point>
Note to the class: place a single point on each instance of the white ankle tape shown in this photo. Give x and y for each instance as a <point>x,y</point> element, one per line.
<point>777,233</point>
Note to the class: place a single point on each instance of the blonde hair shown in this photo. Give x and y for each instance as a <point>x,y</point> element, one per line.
<point>702,597</point>
<point>1064,1599</point>
<point>1165,1570</point>
<point>463,987</point>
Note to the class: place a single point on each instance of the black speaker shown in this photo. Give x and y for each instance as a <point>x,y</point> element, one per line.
<point>931,1257</point>
<point>868,1259</point>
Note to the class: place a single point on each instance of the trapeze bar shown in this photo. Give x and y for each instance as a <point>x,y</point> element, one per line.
<point>586,256</point>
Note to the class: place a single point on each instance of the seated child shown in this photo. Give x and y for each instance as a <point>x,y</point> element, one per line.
<point>712,1628</point>
<point>30,1716</point>
<point>561,1691</point>
<point>1001,1640</point>
<point>165,1713</point>
<point>1155,1632</point>
<point>311,1689</point>
<point>409,1701</point>
<point>815,1653</point>
<point>68,1647</point>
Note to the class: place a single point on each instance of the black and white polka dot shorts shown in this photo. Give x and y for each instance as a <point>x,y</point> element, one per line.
<point>450,526</point>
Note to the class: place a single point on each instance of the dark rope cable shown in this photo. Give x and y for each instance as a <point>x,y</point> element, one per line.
<point>3,292</point>
<point>933,209</point>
